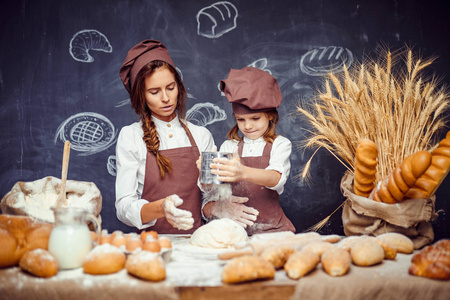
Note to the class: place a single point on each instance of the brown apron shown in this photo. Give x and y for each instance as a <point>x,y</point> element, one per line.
<point>271,217</point>
<point>182,181</point>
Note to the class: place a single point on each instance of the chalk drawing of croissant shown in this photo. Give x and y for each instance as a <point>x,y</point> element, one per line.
<point>85,40</point>
<point>203,114</point>
<point>322,60</point>
<point>87,132</point>
<point>217,19</point>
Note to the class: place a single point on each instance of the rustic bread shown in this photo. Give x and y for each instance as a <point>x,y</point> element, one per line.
<point>365,167</point>
<point>104,259</point>
<point>336,261</point>
<point>400,242</point>
<point>433,261</point>
<point>247,268</point>
<point>146,265</point>
<point>39,262</point>
<point>366,252</point>
<point>277,255</point>
<point>427,184</point>
<point>301,263</point>
<point>394,188</point>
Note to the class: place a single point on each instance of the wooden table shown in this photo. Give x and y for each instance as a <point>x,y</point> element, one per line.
<point>195,273</point>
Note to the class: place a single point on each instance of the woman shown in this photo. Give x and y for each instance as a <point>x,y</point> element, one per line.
<point>156,183</point>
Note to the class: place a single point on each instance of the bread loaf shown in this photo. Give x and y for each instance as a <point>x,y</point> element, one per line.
<point>336,261</point>
<point>401,243</point>
<point>366,252</point>
<point>146,265</point>
<point>432,261</point>
<point>20,234</point>
<point>365,167</point>
<point>39,262</point>
<point>277,255</point>
<point>318,247</point>
<point>301,263</point>
<point>247,268</point>
<point>428,183</point>
<point>394,188</point>
<point>104,259</point>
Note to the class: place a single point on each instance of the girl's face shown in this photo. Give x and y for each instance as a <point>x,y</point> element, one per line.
<point>253,126</point>
<point>161,94</point>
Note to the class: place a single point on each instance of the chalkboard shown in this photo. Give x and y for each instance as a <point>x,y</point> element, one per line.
<point>59,81</point>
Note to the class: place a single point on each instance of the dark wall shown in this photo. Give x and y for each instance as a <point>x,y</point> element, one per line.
<point>50,92</point>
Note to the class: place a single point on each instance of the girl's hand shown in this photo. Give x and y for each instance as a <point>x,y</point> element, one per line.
<point>234,208</point>
<point>228,170</point>
<point>199,164</point>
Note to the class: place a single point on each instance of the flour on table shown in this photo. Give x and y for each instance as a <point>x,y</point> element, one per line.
<point>220,233</point>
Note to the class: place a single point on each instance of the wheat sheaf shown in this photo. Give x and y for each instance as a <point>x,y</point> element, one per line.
<point>390,100</point>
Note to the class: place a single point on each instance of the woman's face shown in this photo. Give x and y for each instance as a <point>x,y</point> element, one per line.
<point>161,94</point>
<point>254,125</point>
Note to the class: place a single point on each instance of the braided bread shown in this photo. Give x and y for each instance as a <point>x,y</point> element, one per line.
<point>432,261</point>
<point>394,188</point>
<point>365,167</point>
<point>428,183</point>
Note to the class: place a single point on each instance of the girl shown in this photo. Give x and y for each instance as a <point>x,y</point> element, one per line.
<point>261,165</point>
<point>156,183</point>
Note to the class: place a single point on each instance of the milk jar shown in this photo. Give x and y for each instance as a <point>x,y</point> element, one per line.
<point>70,240</point>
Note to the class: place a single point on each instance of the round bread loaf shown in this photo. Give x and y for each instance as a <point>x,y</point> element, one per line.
<point>39,262</point>
<point>104,259</point>
<point>366,252</point>
<point>146,265</point>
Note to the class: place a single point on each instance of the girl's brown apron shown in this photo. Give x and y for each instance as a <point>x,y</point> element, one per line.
<point>182,181</point>
<point>271,217</point>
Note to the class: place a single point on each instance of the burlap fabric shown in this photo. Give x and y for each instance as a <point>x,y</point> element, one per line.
<point>411,217</point>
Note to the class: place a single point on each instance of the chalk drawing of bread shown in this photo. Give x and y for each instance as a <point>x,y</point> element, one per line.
<point>322,60</point>
<point>85,40</point>
<point>203,114</point>
<point>88,133</point>
<point>111,165</point>
<point>217,19</point>
<point>260,64</point>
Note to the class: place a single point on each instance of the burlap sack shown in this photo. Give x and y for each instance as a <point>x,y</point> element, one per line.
<point>365,216</point>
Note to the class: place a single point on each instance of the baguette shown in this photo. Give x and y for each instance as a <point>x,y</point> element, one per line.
<point>427,184</point>
<point>365,167</point>
<point>395,187</point>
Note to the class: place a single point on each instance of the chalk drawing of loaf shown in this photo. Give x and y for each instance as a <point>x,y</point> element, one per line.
<point>217,19</point>
<point>203,114</point>
<point>111,165</point>
<point>87,132</point>
<point>322,60</point>
<point>86,40</point>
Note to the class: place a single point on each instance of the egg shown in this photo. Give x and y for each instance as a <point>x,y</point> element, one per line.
<point>133,243</point>
<point>152,246</point>
<point>145,234</point>
<point>118,240</point>
<point>165,243</point>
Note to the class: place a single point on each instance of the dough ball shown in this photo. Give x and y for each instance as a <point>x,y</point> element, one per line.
<point>221,233</point>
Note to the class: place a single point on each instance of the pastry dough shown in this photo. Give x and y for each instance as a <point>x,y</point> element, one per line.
<point>220,233</point>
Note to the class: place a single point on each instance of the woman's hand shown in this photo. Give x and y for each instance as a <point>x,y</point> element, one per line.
<point>178,218</point>
<point>233,208</point>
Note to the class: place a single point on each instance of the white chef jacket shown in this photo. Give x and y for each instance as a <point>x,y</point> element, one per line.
<point>131,155</point>
<point>279,155</point>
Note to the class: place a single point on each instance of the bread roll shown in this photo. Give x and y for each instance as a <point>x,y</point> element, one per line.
<point>401,243</point>
<point>348,242</point>
<point>394,188</point>
<point>318,247</point>
<point>427,184</point>
<point>104,259</point>
<point>366,252</point>
<point>247,268</point>
<point>301,263</point>
<point>365,167</point>
<point>336,261</point>
<point>277,255</point>
<point>432,261</point>
<point>389,251</point>
<point>146,265</point>
<point>39,262</point>
<point>331,238</point>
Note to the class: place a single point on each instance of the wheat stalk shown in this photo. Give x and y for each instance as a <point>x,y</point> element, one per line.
<point>395,105</point>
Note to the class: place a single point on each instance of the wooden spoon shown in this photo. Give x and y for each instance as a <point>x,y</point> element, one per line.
<point>62,201</point>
